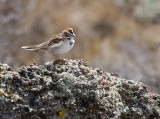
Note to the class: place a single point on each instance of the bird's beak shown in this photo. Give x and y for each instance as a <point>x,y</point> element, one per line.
<point>73,35</point>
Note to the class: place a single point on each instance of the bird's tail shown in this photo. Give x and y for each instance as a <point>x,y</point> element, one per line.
<point>31,48</point>
<point>42,46</point>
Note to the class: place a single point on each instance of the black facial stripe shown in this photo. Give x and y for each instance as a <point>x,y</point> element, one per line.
<point>69,34</point>
<point>68,38</point>
<point>66,34</point>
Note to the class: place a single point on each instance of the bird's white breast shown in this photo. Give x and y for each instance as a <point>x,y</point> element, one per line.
<point>62,47</point>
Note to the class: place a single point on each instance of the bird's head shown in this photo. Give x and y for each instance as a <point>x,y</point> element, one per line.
<point>68,33</point>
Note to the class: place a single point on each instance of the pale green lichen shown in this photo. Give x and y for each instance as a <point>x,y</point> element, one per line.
<point>85,92</point>
<point>47,80</point>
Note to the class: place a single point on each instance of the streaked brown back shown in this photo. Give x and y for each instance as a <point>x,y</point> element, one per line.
<point>55,39</point>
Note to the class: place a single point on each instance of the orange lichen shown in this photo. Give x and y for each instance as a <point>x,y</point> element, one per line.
<point>62,114</point>
<point>1,70</point>
<point>9,93</point>
<point>60,62</point>
<point>1,92</point>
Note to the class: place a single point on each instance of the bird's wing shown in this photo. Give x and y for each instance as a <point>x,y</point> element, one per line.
<point>55,39</point>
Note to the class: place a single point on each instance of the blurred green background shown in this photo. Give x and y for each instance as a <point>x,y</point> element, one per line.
<point>120,36</point>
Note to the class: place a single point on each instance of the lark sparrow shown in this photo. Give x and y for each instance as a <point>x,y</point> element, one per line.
<point>58,44</point>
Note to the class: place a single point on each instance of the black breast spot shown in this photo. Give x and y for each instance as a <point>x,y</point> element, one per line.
<point>71,43</point>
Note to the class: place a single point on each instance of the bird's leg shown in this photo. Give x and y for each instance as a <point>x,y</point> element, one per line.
<point>58,60</point>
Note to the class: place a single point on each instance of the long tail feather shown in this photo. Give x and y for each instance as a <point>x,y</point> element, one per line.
<point>39,47</point>
<point>32,48</point>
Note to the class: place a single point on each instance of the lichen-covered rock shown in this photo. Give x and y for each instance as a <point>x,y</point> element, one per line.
<point>70,89</point>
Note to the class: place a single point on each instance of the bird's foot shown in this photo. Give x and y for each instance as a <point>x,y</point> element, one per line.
<point>59,61</point>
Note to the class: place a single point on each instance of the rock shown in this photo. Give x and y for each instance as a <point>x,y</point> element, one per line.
<point>71,89</point>
<point>143,10</point>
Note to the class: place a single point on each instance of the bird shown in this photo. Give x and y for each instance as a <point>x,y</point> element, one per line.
<point>57,45</point>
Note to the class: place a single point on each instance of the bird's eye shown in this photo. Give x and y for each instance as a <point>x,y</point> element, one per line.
<point>65,34</point>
